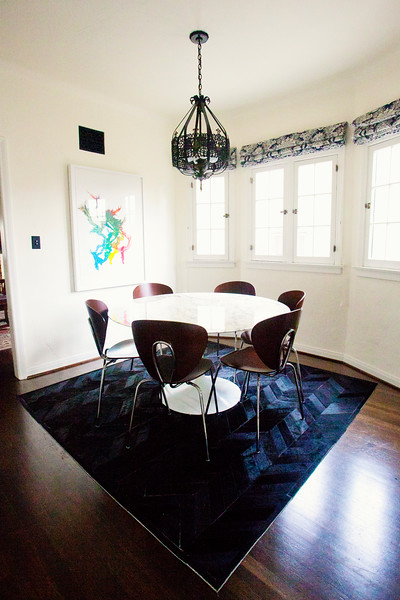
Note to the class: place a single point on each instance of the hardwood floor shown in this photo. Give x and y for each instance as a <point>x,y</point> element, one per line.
<point>63,537</point>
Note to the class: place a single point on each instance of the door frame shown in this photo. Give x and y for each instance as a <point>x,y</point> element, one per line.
<point>10,266</point>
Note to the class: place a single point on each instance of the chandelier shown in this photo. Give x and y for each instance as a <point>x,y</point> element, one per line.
<point>201,147</point>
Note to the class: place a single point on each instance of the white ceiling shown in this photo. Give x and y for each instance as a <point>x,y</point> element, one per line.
<point>139,52</point>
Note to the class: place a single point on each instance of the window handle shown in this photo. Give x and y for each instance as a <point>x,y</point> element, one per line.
<point>294,211</point>
<point>367,205</point>
<point>284,211</point>
<point>226,216</point>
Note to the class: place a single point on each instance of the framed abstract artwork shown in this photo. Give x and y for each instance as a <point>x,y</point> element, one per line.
<point>107,227</point>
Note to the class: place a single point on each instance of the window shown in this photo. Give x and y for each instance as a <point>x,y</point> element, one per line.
<point>211,219</point>
<point>295,211</point>
<point>382,235</point>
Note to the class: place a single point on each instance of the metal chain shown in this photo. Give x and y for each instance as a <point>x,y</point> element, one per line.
<point>200,65</point>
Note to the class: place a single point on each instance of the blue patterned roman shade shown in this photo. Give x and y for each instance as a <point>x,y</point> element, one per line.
<point>294,144</point>
<point>377,123</point>
<point>232,160</point>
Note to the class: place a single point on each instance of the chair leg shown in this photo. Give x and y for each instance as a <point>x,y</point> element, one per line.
<point>213,389</point>
<point>299,387</point>
<point>245,385</point>
<point>258,414</point>
<point>103,372</point>
<point>217,344</point>
<point>297,362</point>
<point>133,408</point>
<point>203,415</point>
<point>164,398</point>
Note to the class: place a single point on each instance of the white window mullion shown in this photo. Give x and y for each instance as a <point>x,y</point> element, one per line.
<point>268,189</point>
<point>382,206</point>
<point>289,233</point>
<point>210,217</point>
<point>305,215</point>
<point>315,210</point>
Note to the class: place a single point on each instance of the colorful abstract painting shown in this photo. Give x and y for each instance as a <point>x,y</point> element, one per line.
<point>107,227</point>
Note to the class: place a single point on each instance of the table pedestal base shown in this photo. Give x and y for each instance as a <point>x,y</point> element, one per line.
<point>185,398</point>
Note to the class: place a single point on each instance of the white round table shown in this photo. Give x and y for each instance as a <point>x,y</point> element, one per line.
<point>218,314</point>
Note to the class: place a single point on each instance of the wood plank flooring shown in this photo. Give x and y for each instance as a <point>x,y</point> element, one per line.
<point>63,537</point>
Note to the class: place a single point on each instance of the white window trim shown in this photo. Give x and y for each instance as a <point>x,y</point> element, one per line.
<point>197,263</point>
<point>372,273</point>
<point>291,266</point>
<point>296,264</point>
<point>210,261</point>
<point>366,267</point>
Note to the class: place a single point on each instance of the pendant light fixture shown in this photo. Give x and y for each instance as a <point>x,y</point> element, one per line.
<point>200,148</point>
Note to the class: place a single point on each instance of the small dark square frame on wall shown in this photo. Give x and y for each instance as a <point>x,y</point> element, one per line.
<point>91,140</point>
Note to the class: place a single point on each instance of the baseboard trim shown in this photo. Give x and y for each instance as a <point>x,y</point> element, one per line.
<point>346,359</point>
<point>351,361</point>
<point>371,370</point>
<point>54,366</point>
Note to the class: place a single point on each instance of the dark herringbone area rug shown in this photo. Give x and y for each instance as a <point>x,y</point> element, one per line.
<point>208,514</point>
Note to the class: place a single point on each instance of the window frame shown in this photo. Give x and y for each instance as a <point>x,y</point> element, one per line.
<point>289,258</point>
<point>204,259</point>
<point>372,267</point>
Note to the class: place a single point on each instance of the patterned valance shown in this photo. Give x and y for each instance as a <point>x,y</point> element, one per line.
<point>232,160</point>
<point>294,144</point>
<point>377,123</point>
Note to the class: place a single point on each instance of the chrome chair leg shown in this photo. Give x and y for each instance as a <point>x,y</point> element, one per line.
<point>245,385</point>
<point>299,388</point>
<point>297,361</point>
<point>164,397</point>
<point>133,408</point>
<point>103,372</point>
<point>203,415</point>
<point>213,390</point>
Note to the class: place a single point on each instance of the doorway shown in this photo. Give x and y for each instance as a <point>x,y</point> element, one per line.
<point>5,336</point>
<point>6,350</point>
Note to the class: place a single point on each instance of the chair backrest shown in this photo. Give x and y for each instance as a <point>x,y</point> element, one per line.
<point>273,338</point>
<point>151,289</point>
<point>3,287</point>
<point>98,321</point>
<point>236,287</point>
<point>292,298</point>
<point>186,340</point>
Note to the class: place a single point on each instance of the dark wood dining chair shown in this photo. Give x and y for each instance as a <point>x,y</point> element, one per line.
<point>172,353</point>
<point>124,350</point>
<point>293,299</point>
<point>272,343</point>
<point>151,289</point>
<point>3,300</point>
<point>234,287</point>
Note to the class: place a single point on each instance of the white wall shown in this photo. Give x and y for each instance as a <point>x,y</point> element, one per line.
<point>39,127</point>
<point>345,317</point>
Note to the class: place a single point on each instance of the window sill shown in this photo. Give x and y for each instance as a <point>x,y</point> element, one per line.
<point>372,272</point>
<point>220,264</point>
<point>280,266</point>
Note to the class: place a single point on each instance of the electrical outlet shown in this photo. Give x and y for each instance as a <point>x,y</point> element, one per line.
<point>35,242</point>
